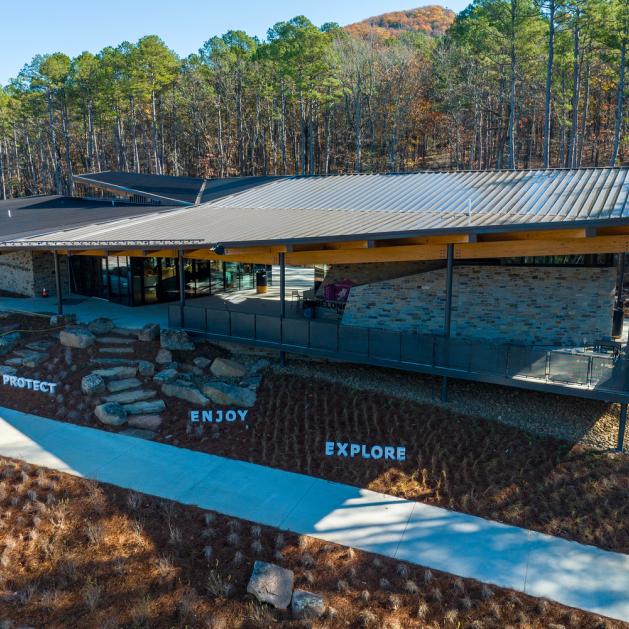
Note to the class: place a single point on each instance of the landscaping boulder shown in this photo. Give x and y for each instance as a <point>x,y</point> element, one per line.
<point>150,332</point>
<point>114,386</point>
<point>151,407</point>
<point>111,413</point>
<point>202,362</point>
<point>306,605</point>
<point>259,365</point>
<point>271,584</point>
<point>76,337</point>
<point>175,339</point>
<point>7,370</point>
<point>185,391</point>
<point>166,375</point>
<point>229,394</point>
<point>8,342</point>
<point>92,384</point>
<point>146,422</point>
<point>124,371</point>
<point>101,326</point>
<point>226,368</point>
<point>145,368</point>
<point>57,320</point>
<point>163,357</point>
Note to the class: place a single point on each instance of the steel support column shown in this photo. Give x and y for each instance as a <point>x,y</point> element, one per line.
<point>182,288</point>
<point>448,312</point>
<point>622,425</point>
<point>619,306</point>
<point>58,283</point>
<point>282,257</point>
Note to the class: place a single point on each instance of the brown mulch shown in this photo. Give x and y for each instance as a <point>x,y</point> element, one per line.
<point>76,553</point>
<point>456,461</point>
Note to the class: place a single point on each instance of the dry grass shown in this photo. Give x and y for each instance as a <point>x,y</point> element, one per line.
<point>91,566</point>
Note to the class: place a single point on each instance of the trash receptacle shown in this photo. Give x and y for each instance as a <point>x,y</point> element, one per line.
<point>261,281</point>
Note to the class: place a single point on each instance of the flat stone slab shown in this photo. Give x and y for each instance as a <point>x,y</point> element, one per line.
<point>39,346</point>
<point>229,395</point>
<point>116,350</point>
<point>128,397</point>
<point>145,408</point>
<point>124,371</point>
<point>271,584</point>
<point>15,361</point>
<point>163,357</point>
<point>98,360</point>
<point>226,368</point>
<point>7,370</point>
<point>31,358</point>
<point>166,375</point>
<point>185,391</point>
<point>111,414</point>
<point>115,340</point>
<point>114,386</point>
<point>8,342</point>
<point>139,433</point>
<point>146,422</point>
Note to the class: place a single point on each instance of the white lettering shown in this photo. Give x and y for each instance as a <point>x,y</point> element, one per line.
<point>31,384</point>
<point>242,414</point>
<point>230,415</point>
<point>376,452</point>
<point>194,416</point>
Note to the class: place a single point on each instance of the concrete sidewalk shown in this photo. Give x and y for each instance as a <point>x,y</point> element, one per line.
<point>540,565</point>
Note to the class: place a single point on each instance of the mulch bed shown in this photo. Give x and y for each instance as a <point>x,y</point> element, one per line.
<point>454,461</point>
<point>76,553</point>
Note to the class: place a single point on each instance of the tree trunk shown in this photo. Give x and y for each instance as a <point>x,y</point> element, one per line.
<point>576,86</point>
<point>53,140</point>
<point>513,55</point>
<point>620,97</point>
<point>549,84</point>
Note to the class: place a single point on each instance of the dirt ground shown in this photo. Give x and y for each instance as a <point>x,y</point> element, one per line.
<point>75,553</point>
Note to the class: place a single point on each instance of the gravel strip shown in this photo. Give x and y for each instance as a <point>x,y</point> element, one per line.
<point>589,423</point>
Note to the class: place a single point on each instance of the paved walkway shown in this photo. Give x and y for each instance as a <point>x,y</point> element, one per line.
<point>88,308</point>
<point>570,573</point>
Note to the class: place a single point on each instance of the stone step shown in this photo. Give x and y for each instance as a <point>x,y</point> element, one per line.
<point>122,372</point>
<point>145,408</point>
<point>116,350</point>
<point>115,386</point>
<point>118,362</point>
<point>146,422</point>
<point>126,332</point>
<point>129,397</point>
<point>115,340</point>
<point>30,358</point>
<point>40,346</point>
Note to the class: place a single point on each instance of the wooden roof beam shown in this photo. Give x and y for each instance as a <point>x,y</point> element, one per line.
<point>564,246</point>
<point>375,254</point>
<point>550,234</point>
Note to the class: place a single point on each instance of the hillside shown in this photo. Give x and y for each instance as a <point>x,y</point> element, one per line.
<point>432,20</point>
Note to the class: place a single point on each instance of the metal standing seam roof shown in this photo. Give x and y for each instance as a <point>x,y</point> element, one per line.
<point>342,207</point>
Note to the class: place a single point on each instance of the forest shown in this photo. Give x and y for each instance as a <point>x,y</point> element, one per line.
<point>505,84</point>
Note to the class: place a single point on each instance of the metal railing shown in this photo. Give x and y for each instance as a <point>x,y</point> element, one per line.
<point>586,374</point>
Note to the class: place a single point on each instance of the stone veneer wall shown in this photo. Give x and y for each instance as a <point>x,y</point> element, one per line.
<point>375,271</point>
<point>538,305</point>
<point>27,272</point>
